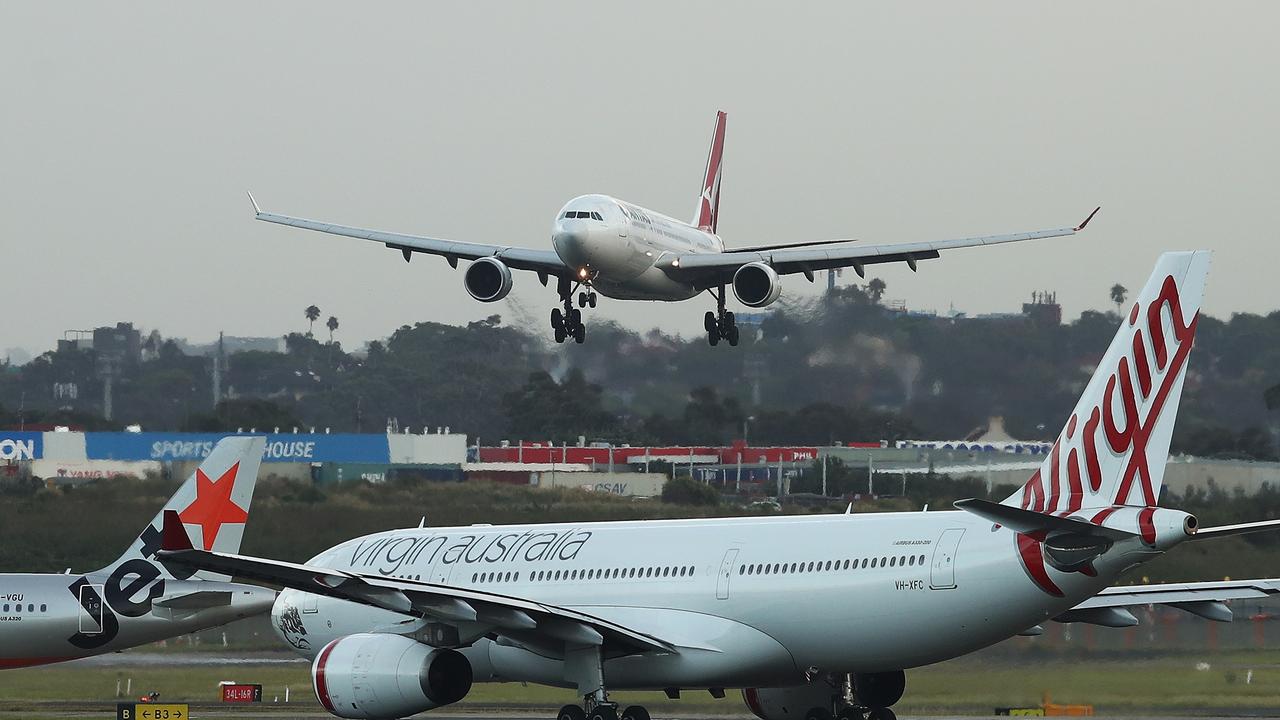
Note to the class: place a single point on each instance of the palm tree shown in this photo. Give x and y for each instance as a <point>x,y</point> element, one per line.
<point>332,324</point>
<point>313,313</point>
<point>1118,293</point>
<point>875,289</point>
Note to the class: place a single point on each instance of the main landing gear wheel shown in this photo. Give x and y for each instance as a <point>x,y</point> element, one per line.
<point>571,712</point>
<point>603,712</point>
<point>721,324</point>
<point>818,713</point>
<point>580,333</point>
<point>557,319</point>
<point>850,713</point>
<point>882,714</point>
<point>635,712</point>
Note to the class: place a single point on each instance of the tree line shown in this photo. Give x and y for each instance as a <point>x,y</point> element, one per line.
<point>842,368</point>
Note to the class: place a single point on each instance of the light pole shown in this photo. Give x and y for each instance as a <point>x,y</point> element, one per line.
<point>746,425</point>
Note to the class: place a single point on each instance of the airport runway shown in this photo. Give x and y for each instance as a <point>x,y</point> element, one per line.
<point>267,712</point>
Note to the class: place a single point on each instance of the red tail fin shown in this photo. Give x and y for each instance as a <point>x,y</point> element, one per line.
<point>708,211</point>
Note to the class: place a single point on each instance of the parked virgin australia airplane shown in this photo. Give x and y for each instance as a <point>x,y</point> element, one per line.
<point>136,600</point>
<point>631,253</point>
<point>811,616</point>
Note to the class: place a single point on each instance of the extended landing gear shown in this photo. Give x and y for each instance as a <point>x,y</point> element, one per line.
<point>864,696</point>
<point>721,323</point>
<point>585,671</point>
<point>567,323</point>
<point>602,711</point>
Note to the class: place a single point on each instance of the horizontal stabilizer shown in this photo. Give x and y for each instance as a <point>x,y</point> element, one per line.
<point>1030,522</point>
<point>1225,530</point>
<point>199,600</point>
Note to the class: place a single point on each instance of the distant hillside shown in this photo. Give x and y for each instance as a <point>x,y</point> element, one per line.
<point>840,369</point>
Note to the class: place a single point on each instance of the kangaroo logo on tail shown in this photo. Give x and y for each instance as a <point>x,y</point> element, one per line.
<point>707,216</point>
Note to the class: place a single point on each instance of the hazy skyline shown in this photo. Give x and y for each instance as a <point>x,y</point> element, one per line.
<point>131,132</point>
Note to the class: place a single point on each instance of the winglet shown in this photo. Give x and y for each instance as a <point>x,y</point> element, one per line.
<point>258,211</point>
<point>1086,220</point>
<point>173,535</point>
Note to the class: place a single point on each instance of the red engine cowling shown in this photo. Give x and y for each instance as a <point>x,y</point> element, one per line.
<point>376,675</point>
<point>789,703</point>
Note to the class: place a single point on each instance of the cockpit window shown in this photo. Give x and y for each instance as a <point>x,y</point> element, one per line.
<point>582,214</point>
<point>596,216</point>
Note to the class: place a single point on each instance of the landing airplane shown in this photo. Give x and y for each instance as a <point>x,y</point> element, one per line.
<point>814,617</point>
<point>627,252</point>
<point>47,618</point>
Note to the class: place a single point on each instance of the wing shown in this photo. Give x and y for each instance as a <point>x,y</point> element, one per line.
<point>716,268</point>
<point>472,614</point>
<point>1205,599</point>
<point>540,261</point>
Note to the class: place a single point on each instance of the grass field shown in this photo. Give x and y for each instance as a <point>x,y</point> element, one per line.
<point>1134,684</point>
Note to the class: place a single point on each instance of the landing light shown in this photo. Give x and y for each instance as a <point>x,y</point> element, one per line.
<point>582,273</point>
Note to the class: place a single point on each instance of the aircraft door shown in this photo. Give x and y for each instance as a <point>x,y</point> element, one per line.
<point>942,576</point>
<point>91,609</point>
<point>726,572</point>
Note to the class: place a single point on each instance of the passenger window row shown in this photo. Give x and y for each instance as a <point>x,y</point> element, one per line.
<point>830,565</point>
<point>588,574</point>
<point>30,607</point>
<point>583,214</point>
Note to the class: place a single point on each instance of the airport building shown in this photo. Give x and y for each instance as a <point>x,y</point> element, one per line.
<point>76,457</point>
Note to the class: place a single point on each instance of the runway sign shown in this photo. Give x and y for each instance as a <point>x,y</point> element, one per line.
<point>150,711</point>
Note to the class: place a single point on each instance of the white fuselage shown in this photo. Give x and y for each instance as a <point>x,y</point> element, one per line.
<point>746,601</point>
<point>50,618</point>
<point>621,249</point>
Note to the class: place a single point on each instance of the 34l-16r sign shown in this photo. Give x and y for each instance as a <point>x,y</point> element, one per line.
<point>241,693</point>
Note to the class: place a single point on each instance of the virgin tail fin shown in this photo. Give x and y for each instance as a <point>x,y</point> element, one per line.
<point>1113,448</point>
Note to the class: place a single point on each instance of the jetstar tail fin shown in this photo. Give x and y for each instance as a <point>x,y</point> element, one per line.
<point>211,507</point>
<point>1113,449</point>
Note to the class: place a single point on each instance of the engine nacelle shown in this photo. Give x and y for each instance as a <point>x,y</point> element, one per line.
<point>487,279</point>
<point>789,703</point>
<point>377,675</point>
<point>756,284</point>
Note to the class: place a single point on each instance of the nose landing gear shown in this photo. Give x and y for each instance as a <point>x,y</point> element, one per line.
<point>567,323</point>
<point>720,324</point>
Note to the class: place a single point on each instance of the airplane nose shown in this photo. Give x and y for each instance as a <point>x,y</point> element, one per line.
<point>571,243</point>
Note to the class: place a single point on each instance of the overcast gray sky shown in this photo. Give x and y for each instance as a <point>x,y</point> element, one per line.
<point>130,132</point>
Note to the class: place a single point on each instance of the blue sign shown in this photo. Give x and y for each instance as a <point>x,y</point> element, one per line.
<point>21,445</point>
<point>342,447</point>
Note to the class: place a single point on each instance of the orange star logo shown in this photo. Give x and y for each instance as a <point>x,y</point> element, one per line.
<point>212,506</point>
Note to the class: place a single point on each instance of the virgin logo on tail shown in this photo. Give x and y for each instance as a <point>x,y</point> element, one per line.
<point>1143,378</point>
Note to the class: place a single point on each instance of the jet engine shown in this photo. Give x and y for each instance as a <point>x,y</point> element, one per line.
<point>488,279</point>
<point>789,703</point>
<point>378,675</point>
<point>756,284</point>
